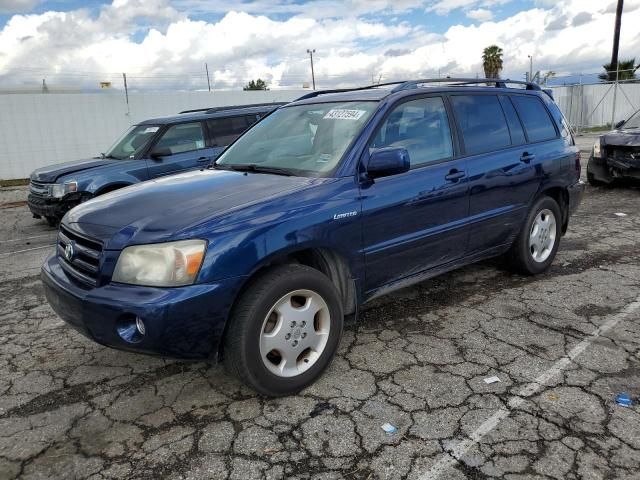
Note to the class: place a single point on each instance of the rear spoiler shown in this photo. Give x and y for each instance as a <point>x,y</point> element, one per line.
<point>548,91</point>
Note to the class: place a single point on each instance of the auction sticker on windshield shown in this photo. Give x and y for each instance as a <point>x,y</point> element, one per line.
<point>344,114</point>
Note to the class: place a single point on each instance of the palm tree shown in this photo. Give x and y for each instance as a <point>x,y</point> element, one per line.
<point>492,61</point>
<point>626,71</point>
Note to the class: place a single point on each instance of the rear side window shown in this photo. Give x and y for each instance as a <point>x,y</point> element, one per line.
<point>515,127</point>
<point>226,130</point>
<point>422,127</point>
<point>536,119</point>
<point>181,138</point>
<point>483,124</point>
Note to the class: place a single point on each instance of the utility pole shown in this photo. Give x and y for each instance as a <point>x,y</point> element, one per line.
<point>616,36</point>
<point>530,68</point>
<point>206,67</point>
<point>126,92</point>
<point>313,75</point>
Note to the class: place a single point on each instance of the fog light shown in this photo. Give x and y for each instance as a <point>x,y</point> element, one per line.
<point>131,329</point>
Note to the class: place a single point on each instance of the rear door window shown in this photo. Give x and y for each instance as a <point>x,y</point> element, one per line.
<point>422,127</point>
<point>515,127</point>
<point>482,121</point>
<point>535,118</point>
<point>182,137</point>
<point>226,130</point>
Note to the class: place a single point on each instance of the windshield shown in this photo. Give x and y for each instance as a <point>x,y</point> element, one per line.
<point>133,141</point>
<point>302,140</point>
<point>633,122</point>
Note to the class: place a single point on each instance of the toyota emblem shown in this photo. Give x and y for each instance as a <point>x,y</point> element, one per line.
<point>69,251</point>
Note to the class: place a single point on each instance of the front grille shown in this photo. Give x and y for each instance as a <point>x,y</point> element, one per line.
<point>625,154</point>
<point>39,189</point>
<point>79,256</point>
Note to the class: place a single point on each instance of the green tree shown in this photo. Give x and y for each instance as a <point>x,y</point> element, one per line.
<point>626,71</point>
<point>258,84</point>
<point>492,61</point>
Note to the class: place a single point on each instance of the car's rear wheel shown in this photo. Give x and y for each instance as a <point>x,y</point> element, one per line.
<point>537,243</point>
<point>284,330</point>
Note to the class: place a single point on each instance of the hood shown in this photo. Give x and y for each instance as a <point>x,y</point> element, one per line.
<point>622,138</point>
<point>160,210</point>
<point>53,172</point>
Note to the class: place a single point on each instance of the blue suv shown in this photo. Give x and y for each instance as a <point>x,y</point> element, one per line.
<point>326,203</point>
<point>153,148</point>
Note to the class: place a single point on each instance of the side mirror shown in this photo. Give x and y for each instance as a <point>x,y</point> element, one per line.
<point>620,123</point>
<point>158,153</point>
<point>385,162</point>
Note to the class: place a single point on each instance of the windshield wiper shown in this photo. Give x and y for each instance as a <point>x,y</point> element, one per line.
<point>252,167</point>
<point>111,157</point>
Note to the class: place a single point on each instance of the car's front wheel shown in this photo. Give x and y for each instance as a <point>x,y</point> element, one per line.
<point>537,243</point>
<point>284,330</point>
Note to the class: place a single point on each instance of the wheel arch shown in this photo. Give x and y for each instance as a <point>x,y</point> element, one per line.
<point>325,260</point>
<point>110,188</point>
<point>561,196</point>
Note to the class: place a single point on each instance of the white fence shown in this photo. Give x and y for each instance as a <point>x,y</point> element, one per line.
<point>42,129</point>
<point>592,105</point>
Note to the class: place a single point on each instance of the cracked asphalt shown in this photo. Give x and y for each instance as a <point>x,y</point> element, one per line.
<point>563,344</point>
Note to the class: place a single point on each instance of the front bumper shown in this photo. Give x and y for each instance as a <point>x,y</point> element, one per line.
<point>46,207</point>
<point>184,322</point>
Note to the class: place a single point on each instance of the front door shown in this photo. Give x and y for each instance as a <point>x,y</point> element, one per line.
<point>181,147</point>
<point>416,220</point>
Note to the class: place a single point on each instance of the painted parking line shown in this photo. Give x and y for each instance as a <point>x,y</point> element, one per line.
<point>26,239</point>
<point>50,245</point>
<point>456,453</point>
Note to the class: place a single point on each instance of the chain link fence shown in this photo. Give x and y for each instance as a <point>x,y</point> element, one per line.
<point>598,105</point>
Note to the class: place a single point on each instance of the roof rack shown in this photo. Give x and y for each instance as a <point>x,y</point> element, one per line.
<point>499,83</point>
<point>234,107</point>
<point>406,85</point>
<point>316,93</point>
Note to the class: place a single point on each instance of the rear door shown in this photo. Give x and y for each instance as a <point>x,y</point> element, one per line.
<point>416,220</point>
<point>185,145</point>
<point>502,169</point>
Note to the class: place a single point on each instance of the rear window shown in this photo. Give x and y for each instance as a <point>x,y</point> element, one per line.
<point>535,118</point>
<point>484,127</point>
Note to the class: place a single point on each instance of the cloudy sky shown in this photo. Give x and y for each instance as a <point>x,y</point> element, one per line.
<point>165,43</point>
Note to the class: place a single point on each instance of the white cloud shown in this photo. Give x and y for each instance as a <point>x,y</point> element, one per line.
<point>159,46</point>
<point>480,14</point>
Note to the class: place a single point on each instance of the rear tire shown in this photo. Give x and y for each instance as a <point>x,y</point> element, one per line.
<point>284,331</point>
<point>537,243</point>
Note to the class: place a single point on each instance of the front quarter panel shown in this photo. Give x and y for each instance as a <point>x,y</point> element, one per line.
<point>121,173</point>
<point>326,215</point>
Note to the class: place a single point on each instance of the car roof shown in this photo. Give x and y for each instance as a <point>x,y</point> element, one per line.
<point>413,87</point>
<point>216,112</point>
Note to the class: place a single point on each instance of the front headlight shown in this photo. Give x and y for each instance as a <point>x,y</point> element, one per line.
<point>59,190</point>
<point>597,149</point>
<point>171,264</point>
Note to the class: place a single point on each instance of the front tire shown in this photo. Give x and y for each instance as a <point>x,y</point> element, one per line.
<point>284,330</point>
<point>537,243</point>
